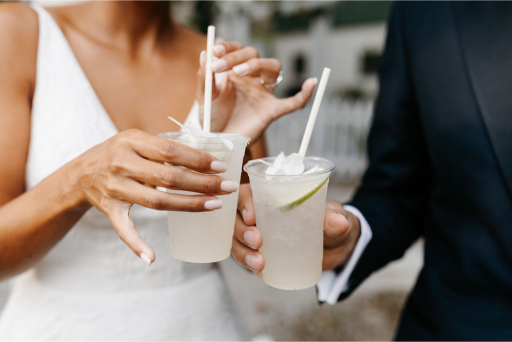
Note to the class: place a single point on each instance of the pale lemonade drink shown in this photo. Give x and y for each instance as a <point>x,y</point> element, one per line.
<point>290,215</point>
<point>204,237</point>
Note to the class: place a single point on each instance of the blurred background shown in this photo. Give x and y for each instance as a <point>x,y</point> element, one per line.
<point>306,36</point>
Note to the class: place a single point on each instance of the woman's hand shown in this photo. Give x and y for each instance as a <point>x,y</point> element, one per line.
<point>341,232</point>
<point>124,170</point>
<point>240,103</point>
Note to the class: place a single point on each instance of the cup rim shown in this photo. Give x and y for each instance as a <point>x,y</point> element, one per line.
<point>294,177</point>
<point>175,136</point>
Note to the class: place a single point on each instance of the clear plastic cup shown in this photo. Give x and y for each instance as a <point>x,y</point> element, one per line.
<point>290,216</point>
<point>204,237</point>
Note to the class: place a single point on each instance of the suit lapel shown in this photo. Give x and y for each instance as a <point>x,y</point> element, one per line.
<point>485,31</point>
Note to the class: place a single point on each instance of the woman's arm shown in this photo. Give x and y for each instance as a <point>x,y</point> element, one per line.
<point>110,176</point>
<point>18,39</point>
<point>259,148</point>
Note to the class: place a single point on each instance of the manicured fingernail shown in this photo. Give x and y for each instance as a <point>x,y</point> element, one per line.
<point>241,69</point>
<point>145,258</point>
<point>244,215</point>
<point>218,166</point>
<point>250,238</point>
<point>219,65</point>
<point>219,49</point>
<point>229,186</point>
<point>213,204</point>
<point>252,261</point>
<point>202,56</point>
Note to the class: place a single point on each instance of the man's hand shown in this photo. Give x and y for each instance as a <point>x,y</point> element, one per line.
<point>341,232</point>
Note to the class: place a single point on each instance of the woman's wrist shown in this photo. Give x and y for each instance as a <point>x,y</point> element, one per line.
<point>72,194</point>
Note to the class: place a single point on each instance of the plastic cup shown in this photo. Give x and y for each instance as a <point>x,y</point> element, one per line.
<point>205,237</point>
<point>290,216</point>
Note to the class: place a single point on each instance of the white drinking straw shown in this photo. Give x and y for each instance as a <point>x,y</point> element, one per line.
<point>314,112</point>
<point>208,79</point>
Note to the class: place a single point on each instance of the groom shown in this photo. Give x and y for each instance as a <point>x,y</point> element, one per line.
<point>440,167</point>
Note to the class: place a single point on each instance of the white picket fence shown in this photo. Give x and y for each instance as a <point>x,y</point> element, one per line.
<point>340,135</point>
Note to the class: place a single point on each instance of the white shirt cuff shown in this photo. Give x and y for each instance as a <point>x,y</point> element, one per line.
<point>331,285</point>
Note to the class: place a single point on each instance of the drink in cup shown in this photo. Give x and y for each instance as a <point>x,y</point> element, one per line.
<point>204,237</point>
<point>290,216</point>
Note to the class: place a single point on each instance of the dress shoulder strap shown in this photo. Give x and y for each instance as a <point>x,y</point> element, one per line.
<point>67,116</point>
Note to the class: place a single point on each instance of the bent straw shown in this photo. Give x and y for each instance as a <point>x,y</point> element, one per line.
<point>208,79</point>
<point>314,112</point>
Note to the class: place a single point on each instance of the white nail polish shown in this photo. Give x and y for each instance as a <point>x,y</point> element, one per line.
<point>218,166</point>
<point>249,237</point>
<point>145,258</point>
<point>229,186</point>
<point>219,65</point>
<point>219,49</point>
<point>251,261</point>
<point>213,204</point>
<point>241,69</point>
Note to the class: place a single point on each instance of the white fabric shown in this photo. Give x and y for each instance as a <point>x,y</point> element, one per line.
<point>331,285</point>
<point>91,286</point>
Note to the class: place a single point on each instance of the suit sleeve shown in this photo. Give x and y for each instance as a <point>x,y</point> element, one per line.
<point>394,190</point>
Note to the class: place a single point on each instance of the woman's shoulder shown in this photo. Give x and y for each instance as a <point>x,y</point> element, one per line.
<point>19,30</point>
<point>20,19</point>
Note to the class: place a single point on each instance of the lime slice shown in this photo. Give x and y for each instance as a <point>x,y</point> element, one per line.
<point>296,203</point>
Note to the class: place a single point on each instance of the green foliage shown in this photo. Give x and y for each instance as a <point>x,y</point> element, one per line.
<point>205,13</point>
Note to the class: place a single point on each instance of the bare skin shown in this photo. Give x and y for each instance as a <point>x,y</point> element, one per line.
<point>341,232</point>
<point>138,55</point>
<point>143,68</point>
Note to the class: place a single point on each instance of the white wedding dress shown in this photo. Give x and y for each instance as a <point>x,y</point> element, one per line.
<point>91,286</point>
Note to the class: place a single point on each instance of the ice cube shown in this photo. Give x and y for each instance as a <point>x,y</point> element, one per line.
<point>195,133</point>
<point>291,165</point>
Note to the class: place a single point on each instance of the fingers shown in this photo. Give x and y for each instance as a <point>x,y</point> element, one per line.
<point>247,257</point>
<point>161,149</point>
<point>341,233</point>
<point>229,60</point>
<point>245,61</point>
<point>335,223</point>
<point>267,68</point>
<point>201,72</point>
<point>250,236</point>
<point>333,258</point>
<point>220,49</point>
<point>247,238</point>
<point>258,66</point>
<point>246,205</point>
<point>297,101</point>
<point>134,192</point>
<point>175,178</point>
<point>118,214</point>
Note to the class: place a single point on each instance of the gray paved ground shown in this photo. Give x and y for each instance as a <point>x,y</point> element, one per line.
<point>370,313</point>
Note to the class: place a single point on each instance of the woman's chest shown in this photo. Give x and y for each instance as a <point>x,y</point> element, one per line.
<point>142,95</point>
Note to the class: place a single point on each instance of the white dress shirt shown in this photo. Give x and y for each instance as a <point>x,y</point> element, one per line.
<point>331,285</point>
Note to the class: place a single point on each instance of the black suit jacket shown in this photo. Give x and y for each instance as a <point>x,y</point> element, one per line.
<point>441,167</point>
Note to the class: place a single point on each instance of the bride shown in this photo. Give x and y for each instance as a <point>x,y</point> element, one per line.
<point>84,90</point>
